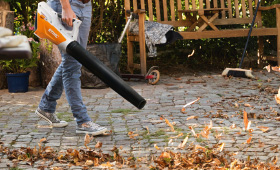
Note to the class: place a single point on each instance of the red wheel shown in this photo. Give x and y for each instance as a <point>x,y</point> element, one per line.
<point>155,77</point>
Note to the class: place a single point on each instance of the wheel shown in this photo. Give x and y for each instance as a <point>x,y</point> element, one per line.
<point>156,76</point>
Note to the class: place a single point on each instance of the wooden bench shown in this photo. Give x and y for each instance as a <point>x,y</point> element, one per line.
<point>198,19</point>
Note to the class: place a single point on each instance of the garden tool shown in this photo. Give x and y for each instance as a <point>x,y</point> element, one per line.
<point>49,25</point>
<point>238,72</point>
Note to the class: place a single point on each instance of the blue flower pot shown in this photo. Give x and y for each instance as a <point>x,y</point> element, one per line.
<point>18,82</point>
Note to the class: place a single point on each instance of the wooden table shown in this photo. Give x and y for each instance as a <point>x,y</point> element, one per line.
<point>205,18</point>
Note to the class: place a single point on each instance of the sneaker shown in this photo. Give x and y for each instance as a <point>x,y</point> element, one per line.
<point>91,128</point>
<point>51,118</point>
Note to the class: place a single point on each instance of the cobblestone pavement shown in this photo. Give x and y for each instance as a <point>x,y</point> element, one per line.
<point>222,101</point>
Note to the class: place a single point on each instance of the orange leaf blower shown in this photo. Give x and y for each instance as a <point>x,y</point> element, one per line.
<point>48,25</point>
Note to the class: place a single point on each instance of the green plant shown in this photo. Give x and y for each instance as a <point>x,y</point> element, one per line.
<point>21,65</point>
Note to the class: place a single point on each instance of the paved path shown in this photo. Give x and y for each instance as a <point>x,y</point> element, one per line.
<point>222,101</point>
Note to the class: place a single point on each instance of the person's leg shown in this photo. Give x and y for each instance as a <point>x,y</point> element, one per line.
<point>47,105</point>
<point>71,72</point>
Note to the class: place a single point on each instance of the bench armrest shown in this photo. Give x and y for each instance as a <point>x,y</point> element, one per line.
<point>264,8</point>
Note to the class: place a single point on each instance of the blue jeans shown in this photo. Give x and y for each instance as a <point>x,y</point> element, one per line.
<point>68,73</point>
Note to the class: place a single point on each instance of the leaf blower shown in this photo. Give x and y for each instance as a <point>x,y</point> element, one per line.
<point>49,25</point>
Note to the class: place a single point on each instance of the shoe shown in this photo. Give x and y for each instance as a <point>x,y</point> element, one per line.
<point>51,118</point>
<point>91,128</point>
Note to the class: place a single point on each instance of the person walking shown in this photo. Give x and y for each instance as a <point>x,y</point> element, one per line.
<point>67,75</point>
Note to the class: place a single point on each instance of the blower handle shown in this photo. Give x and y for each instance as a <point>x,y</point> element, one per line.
<point>76,24</point>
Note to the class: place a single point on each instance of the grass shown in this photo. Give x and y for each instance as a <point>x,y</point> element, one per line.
<point>159,133</point>
<point>123,111</point>
<point>15,168</point>
<point>66,116</point>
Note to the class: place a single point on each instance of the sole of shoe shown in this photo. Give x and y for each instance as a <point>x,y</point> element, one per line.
<point>52,124</point>
<point>92,133</point>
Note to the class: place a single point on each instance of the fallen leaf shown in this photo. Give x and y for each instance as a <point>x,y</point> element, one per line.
<point>182,145</point>
<point>193,132</point>
<point>181,134</point>
<point>155,145</point>
<point>87,140</point>
<point>178,78</point>
<point>98,145</point>
<point>275,69</point>
<point>169,124</point>
<point>274,160</point>
<point>245,118</point>
<point>247,105</point>
<point>132,135</point>
<point>107,164</point>
<point>165,155</point>
<point>277,97</point>
<point>200,147</point>
<point>221,147</point>
<point>249,140</point>
<point>43,140</point>
<point>277,118</point>
<point>89,162</point>
<point>147,130</point>
<point>263,128</point>
<point>274,147</point>
<point>188,104</point>
<point>192,117</point>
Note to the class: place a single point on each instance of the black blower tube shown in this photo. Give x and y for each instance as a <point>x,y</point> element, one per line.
<point>105,74</point>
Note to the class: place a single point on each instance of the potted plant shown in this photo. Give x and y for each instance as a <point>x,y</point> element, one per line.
<point>16,69</point>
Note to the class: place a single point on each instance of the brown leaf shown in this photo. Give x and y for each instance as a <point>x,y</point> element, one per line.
<point>274,147</point>
<point>263,128</point>
<point>249,140</point>
<point>247,105</point>
<point>277,118</point>
<point>181,134</point>
<point>245,118</point>
<point>200,147</point>
<point>155,145</point>
<point>132,135</point>
<point>165,155</point>
<point>89,162</point>
<point>192,117</point>
<point>98,145</point>
<point>274,160</point>
<point>221,147</point>
<point>277,97</point>
<point>169,124</point>
<point>87,140</point>
<point>182,145</point>
<point>43,140</point>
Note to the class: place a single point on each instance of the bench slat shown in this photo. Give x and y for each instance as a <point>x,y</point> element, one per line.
<point>150,6</point>
<point>223,6</point>
<point>236,8</point>
<point>229,8</point>
<point>179,4</point>
<point>187,4</point>
<point>208,4</point>
<point>193,4</point>
<point>243,8</point>
<point>158,10</point>
<point>215,3</point>
<point>250,8</point>
<point>164,3</point>
<point>142,4</point>
<point>172,10</point>
<point>135,5</point>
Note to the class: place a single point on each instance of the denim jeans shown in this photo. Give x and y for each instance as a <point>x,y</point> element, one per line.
<point>68,73</point>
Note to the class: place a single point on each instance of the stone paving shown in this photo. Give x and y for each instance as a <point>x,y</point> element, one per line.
<point>222,101</point>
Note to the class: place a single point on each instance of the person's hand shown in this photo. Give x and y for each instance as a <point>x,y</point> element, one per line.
<point>67,13</point>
